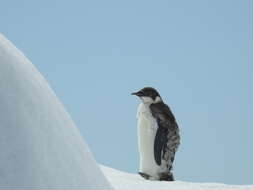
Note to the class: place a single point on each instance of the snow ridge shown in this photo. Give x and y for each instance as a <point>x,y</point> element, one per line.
<point>126,181</point>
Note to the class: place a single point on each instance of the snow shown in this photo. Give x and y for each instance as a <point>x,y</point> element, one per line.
<point>126,181</point>
<point>41,149</point>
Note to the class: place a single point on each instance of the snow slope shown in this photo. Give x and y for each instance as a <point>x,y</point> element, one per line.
<point>126,181</point>
<point>41,149</point>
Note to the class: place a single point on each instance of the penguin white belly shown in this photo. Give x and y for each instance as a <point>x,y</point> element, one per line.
<point>147,127</point>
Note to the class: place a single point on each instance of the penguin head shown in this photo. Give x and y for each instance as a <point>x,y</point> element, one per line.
<point>148,95</point>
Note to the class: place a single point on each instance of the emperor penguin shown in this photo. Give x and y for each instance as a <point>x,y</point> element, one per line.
<point>158,136</point>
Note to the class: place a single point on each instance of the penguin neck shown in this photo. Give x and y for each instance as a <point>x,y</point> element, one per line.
<point>147,101</point>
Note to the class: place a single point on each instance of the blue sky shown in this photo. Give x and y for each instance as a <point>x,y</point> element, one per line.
<point>198,54</point>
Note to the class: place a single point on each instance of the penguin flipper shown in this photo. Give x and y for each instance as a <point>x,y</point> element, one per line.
<point>160,141</point>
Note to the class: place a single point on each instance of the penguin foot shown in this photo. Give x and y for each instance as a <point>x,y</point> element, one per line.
<point>146,176</point>
<point>166,177</point>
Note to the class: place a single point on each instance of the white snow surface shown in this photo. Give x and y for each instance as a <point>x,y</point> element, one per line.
<point>126,181</point>
<point>41,149</point>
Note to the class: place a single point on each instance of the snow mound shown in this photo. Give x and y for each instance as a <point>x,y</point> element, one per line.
<point>41,149</point>
<point>126,181</point>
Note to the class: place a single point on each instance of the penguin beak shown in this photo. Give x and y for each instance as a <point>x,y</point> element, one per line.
<point>137,93</point>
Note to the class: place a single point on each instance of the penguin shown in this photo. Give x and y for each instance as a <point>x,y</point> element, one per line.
<point>158,136</point>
